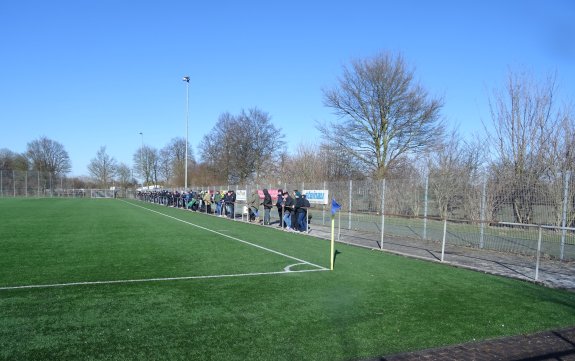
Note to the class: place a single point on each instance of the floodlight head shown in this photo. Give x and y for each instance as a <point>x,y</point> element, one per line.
<point>186,79</point>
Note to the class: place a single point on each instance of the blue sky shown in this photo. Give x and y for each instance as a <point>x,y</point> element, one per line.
<point>97,73</point>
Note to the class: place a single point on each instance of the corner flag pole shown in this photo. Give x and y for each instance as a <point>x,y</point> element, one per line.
<point>334,208</point>
<point>331,252</point>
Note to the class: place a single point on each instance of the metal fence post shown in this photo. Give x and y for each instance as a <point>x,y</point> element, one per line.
<point>234,207</point>
<point>564,215</point>
<point>425,207</point>
<point>382,212</point>
<point>349,208</point>
<point>482,216</point>
<point>338,226</point>
<point>538,253</point>
<point>323,208</point>
<point>444,236</point>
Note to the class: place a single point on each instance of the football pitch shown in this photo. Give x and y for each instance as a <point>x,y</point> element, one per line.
<point>106,279</point>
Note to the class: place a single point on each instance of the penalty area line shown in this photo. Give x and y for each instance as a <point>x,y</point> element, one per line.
<point>164,279</point>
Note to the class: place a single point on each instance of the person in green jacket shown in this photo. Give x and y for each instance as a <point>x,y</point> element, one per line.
<point>218,201</point>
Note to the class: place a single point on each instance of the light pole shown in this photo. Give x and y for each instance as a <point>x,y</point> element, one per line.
<point>142,158</point>
<point>187,80</point>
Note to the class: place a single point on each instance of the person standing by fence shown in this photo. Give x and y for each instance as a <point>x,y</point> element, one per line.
<point>288,205</point>
<point>208,202</point>
<point>279,205</point>
<point>268,204</point>
<point>229,201</point>
<point>302,205</point>
<point>296,195</point>
<point>254,204</point>
<point>217,201</point>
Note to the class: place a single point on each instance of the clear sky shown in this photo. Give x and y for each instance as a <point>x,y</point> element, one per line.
<point>92,73</point>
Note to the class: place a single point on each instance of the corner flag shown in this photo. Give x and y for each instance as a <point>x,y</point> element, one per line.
<point>334,207</point>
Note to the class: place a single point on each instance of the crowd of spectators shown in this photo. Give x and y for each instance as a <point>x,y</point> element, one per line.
<point>293,209</point>
<point>194,201</point>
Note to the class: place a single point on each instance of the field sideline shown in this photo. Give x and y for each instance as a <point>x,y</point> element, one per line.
<point>148,282</point>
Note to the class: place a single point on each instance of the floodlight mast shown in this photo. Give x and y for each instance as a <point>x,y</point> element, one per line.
<point>142,159</point>
<point>187,80</point>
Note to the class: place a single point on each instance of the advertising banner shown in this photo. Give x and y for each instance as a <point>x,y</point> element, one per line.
<point>315,196</point>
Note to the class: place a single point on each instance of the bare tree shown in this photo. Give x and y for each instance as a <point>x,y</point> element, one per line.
<point>526,120</point>
<point>262,145</point>
<point>339,164</point>
<point>216,148</point>
<point>146,164</point>
<point>243,147</point>
<point>153,159</point>
<point>166,166</point>
<point>203,175</point>
<point>385,113</point>
<point>10,160</point>
<point>562,165</point>
<point>317,163</point>
<point>124,175</point>
<point>454,170</point>
<point>103,168</point>
<point>49,156</point>
<point>306,165</point>
<point>404,189</point>
<point>172,160</point>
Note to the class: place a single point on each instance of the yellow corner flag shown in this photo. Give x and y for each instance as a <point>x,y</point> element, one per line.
<point>334,208</point>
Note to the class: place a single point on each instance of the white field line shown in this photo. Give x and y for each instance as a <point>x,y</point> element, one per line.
<point>154,279</point>
<point>285,271</point>
<point>230,237</point>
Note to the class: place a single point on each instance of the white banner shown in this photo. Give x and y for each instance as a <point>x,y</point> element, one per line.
<point>315,196</point>
<point>241,195</point>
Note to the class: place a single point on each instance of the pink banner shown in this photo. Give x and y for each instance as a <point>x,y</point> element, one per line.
<point>273,193</point>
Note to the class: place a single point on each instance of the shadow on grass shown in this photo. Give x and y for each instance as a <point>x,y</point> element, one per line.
<point>335,256</point>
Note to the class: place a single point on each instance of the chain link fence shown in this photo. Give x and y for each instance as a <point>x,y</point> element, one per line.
<point>483,213</point>
<point>41,184</point>
<point>480,213</point>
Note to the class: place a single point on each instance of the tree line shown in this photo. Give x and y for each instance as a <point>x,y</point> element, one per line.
<point>388,125</point>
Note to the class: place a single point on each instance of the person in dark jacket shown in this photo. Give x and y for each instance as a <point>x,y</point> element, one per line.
<point>301,212</point>
<point>279,205</point>
<point>268,204</point>
<point>295,196</point>
<point>305,219</point>
<point>230,200</point>
<point>288,208</point>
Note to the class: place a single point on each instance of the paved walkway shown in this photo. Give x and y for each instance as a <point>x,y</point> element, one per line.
<point>551,273</point>
<point>544,346</point>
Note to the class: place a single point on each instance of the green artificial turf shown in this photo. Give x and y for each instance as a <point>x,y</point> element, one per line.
<point>372,304</point>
